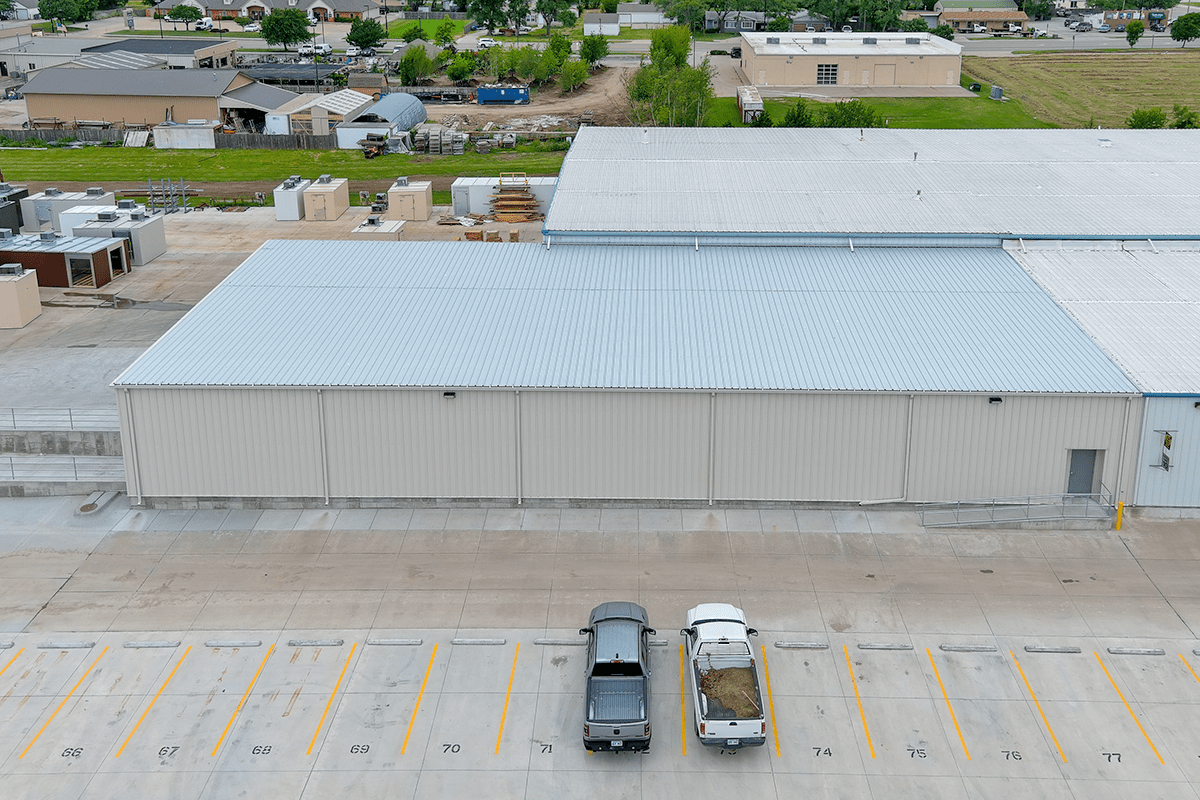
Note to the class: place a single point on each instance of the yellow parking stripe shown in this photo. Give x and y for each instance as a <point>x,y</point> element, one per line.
<point>1039,707</point>
<point>1127,708</point>
<point>682,702</point>
<point>325,713</point>
<point>771,701</point>
<point>1181,658</point>
<point>242,702</point>
<point>507,695</point>
<point>949,707</point>
<point>63,703</point>
<point>152,702</point>
<point>420,694</point>
<point>22,650</point>
<point>861,713</point>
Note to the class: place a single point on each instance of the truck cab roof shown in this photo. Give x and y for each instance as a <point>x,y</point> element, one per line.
<point>716,612</point>
<point>618,628</point>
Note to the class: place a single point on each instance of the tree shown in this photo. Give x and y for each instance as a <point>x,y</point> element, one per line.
<point>415,65</point>
<point>688,13</point>
<point>185,14</point>
<point>608,6</point>
<point>915,25</point>
<point>287,26</point>
<point>850,114</point>
<point>1037,9</point>
<point>70,10</point>
<point>242,21</point>
<point>780,24</point>
<point>6,8</point>
<point>723,8</point>
<point>592,49</point>
<point>412,33</point>
<point>552,10</point>
<point>669,47</point>
<point>1184,117</point>
<point>944,31</point>
<point>1134,31</point>
<point>879,15</point>
<point>444,35</point>
<point>1186,28</point>
<point>674,96</point>
<point>763,120</point>
<point>517,12</point>
<point>574,74</point>
<point>1146,118</point>
<point>798,116</point>
<point>366,33</point>
<point>560,45</point>
<point>835,12</point>
<point>461,68</point>
<point>489,14</point>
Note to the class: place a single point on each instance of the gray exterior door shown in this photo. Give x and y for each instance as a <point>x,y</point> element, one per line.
<point>1083,472</point>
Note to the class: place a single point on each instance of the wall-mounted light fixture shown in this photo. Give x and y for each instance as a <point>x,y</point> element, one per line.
<point>995,400</point>
<point>448,395</point>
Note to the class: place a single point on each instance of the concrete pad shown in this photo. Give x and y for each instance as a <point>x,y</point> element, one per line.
<point>40,564</point>
<point>211,541</point>
<point>392,519</point>
<point>951,614</point>
<point>815,521</point>
<point>615,574</point>
<point>708,783</point>
<point>1147,616</point>
<point>504,519</point>
<point>579,519</point>
<point>371,785</point>
<point>1088,731</point>
<point>79,611</point>
<point>424,540</point>
<point>839,544</point>
<point>764,572</point>
<point>1115,790</point>
<point>618,519</point>
<point>435,608</point>
<point>660,519</point>
<point>324,610</point>
<point>927,575</point>
<point>1006,788</point>
<point>1101,576</point>
<point>608,542</point>
<point>848,574</point>
<point>913,544</point>
<point>523,541</point>
<point>776,611</point>
<point>708,544</point>
<point>359,541</point>
<point>430,571</point>
<point>232,783</point>
<point>851,521</point>
<point>698,519</point>
<point>664,573</point>
<point>1033,616</point>
<point>207,520</point>
<point>994,544</point>
<point>894,522</point>
<point>136,520</point>
<point>429,519</point>
<point>442,784</point>
<point>742,519</point>
<point>361,576</point>
<point>136,543</point>
<point>241,519</point>
<point>356,519</point>
<point>466,519</point>
<point>10,542</point>
<point>860,613</point>
<point>513,571</point>
<point>1067,544</point>
<point>541,519</point>
<point>278,519</point>
<point>170,520</point>
<point>246,610</point>
<point>264,540</point>
<point>121,785</point>
<point>765,543</point>
<point>149,610</point>
<point>316,520</point>
<point>274,571</point>
<point>29,513</point>
<point>524,608</point>
<point>1012,576</point>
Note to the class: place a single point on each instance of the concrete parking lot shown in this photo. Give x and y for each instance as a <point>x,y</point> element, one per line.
<point>433,652</point>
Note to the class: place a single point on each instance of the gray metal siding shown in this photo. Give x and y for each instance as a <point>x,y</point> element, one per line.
<point>614,444</point>
<point>420,444</point>
<point>965,447</point>
<point>225,442</point>
<point>811,447</point>
<point>1179,486</point>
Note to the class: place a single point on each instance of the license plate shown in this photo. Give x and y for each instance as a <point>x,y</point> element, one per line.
<point>618,742</point>
<point>732,742</point>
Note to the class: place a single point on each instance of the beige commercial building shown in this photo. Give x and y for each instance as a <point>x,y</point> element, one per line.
<point>850,59</point>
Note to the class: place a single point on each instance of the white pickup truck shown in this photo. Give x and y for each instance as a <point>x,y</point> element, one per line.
<point>727,702</point>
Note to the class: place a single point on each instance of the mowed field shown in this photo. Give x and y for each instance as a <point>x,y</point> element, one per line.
<point>1076,90</point>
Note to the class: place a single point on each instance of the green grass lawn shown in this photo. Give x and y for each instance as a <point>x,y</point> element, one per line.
<point>1083,89</point>
<point>907,112</point>
<point>140,164</point>
<point>428,27</point>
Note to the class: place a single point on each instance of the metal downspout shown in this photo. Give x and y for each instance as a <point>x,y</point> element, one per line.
<point>133,458</point>
<point>324,451</point>
<point>520,487</point>
<point>712,444</point>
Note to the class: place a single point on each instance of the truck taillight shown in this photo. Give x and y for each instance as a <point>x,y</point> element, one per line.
<point>701,728</point>
<point>764,728</point>
<point>587,730</point>
<point>647,731</point>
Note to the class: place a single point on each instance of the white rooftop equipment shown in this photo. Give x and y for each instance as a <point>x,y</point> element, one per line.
<point>41,211</point>
<point>146,234</point>
<point>411,200</point>
<point>75,216</point>
<point>375,228</point>
<point>326,199</point>
<point>19,300</point>
<point>289,199</point>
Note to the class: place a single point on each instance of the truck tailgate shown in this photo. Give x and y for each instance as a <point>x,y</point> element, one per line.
<point>616,700</point>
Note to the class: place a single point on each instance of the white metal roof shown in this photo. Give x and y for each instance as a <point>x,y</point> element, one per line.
<point>850,44</point>
<point>1030,183</point>
<point>1141,306</point>
<point>466,314</point>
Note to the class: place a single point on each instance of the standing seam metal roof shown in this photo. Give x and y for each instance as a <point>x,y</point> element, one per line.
<point>1032,183</point>
<point>413,314</point>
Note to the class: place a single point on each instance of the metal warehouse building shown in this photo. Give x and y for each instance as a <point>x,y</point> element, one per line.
<point>746,186</point>
<point>1141,303</point>
<point>521,372</point>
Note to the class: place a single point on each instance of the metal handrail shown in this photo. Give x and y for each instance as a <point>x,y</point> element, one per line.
<point>59,419</point>
<point>1007,510</point>
<point>62,468</point>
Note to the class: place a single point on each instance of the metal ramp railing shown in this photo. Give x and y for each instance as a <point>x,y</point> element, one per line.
<point>1013,510</point>
<point>59,419</point>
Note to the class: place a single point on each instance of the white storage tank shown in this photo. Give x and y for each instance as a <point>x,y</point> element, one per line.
<point>289,199</point>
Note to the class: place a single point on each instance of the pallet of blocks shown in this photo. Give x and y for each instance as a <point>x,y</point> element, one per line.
<point>514,201</point>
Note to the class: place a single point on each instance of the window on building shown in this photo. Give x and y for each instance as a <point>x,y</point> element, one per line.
<point>1165,439</point>
<point>827,74</point>
<point>747,24</point>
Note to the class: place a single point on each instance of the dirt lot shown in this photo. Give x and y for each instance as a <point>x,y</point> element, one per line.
<point>603,95</point>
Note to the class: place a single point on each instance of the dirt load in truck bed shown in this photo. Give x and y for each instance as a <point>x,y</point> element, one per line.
<point>735,689</point>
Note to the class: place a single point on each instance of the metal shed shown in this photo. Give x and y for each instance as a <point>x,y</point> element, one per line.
<point>521,373</point>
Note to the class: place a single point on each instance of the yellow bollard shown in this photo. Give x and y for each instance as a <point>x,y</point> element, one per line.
<point>1120,512</point>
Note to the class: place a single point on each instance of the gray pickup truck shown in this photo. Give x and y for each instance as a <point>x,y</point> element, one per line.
<point>617,700</point>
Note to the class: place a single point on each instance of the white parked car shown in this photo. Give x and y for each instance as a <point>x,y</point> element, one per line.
<point>253,27</point>
<point>353,51</point>
<point>487,41</point>
<point>523,30</point>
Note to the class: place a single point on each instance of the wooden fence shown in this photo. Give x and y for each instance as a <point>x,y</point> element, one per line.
<point>284,141</point>
<point>53,135</point>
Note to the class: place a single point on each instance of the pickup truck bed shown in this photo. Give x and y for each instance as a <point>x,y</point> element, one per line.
<point>730,692</point>
<point>616,700</point>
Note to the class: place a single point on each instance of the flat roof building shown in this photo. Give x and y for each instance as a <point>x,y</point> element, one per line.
<point>850,59</point>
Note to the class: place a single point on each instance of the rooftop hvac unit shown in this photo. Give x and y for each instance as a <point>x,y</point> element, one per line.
<point>126,204</point>
<point>870,40</point>
<point>378,208</point>
<point>94,191</point>
<point>52,191</point>
<point>137,215</point>
<point>11,269</point>
<point>818,40</point>
<point>108,216</point>
<point>5,188</point>
<point>6,235</point>
<point>772,40</point>
<point>49,236</point>
<point>381,197</point>
<point>373,220</point>
<point>402,180</point>
<point>294,178</point>
<point>912,40</point>
<point>325,179</point>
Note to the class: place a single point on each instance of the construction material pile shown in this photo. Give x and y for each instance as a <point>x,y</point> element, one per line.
<point>514,202</point>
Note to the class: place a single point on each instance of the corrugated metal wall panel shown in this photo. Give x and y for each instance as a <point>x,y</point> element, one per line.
<point>964,447</point>
<point>613,444</point>
<point>227,442</point>
<point>810,447</point>
<point>1179,486</point>
<point>419,444</point>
